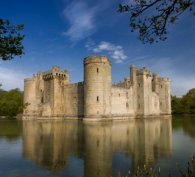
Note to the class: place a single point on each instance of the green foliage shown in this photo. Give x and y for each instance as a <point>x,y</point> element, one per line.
<point>151,17</point>
<point>188,102</point>
<point>10,40</point>
<point>175,104</point>
<point>11,102</point>
<point>184,105</point>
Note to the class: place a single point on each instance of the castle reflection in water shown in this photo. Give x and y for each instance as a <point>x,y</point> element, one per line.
<point>51,143</point>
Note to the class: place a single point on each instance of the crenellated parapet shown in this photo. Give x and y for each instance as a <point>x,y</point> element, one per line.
<point>164,79</point>
<point>56,73</point>
<point>97,59</point>
<point>144,71</point>
<point>126,83</point>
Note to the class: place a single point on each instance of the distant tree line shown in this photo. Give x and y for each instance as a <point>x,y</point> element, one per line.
<point>11,102</point>
<point>185,104</point>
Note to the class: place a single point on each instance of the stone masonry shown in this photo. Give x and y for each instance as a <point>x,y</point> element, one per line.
<point>51,95</point>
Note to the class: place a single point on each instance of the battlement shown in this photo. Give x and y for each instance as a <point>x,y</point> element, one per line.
<point>119,85</point>
<point>55,68</point>
<point>123,84</point>
<point>164,79</point>
<point>132,66</point>
<point>48,76</point>
<point>38,74</point>
<point>78,84</point>
<point>55,72</point>
<point>144,71</point>
<point>96,59</point>
<point>155,75</point>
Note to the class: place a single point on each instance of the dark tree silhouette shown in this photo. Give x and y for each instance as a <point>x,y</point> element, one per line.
<point>151,17</point>
<point>10,40</point>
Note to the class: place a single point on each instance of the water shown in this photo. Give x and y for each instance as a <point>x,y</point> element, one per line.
<point>94,149</point>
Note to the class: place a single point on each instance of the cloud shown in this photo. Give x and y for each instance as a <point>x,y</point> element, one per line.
<point>11,79</point>
<point>81,19</point>
<point>115,51</point>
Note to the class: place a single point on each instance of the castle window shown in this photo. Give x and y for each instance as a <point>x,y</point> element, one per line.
<point>127,95</point>
<point>119,94</point>
<point>97,70</point>
<point>98,142</point>
<point>42,99</point>
<point>161,86</point>
<point>139,106</point>
<point>127,105</point>
<point>139,84</point>
<point>97,98</point>
<point>42,96</point>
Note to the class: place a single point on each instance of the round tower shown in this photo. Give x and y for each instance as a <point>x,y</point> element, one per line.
<point>30,97</point>
<point>97,87</point>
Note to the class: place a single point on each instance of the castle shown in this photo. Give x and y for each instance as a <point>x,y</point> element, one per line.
<point>50,94</point>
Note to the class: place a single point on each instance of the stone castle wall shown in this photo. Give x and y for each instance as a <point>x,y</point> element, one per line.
<point>73,100</point>
<point>50,94</point>
<point>122,102</point>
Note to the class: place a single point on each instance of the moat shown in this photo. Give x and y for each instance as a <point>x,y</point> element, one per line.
<point>72,148</point>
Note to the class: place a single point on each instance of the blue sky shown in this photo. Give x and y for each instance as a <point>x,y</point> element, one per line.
<point>63,32</point>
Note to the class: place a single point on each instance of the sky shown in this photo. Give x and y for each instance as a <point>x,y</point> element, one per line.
<point>63,32</point>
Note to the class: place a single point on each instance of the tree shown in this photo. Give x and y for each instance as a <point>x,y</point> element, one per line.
<point>188,102</point>
<point>184,105</point>
<point>176,105</point>
<point>11,102</point>
<point>10,40</point>
<point>151,17</point>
